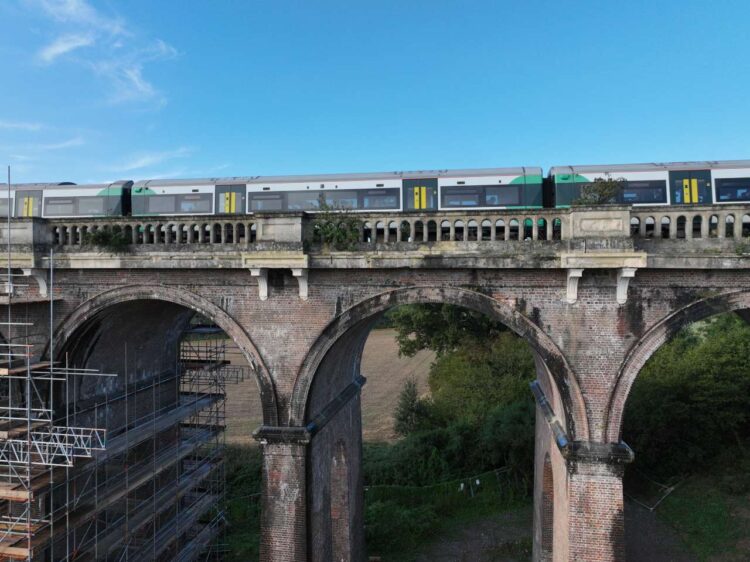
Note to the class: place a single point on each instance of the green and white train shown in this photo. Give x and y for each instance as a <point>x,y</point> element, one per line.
<point>683,183</point>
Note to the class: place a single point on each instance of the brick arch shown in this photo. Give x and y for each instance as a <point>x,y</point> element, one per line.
<point>562,374</point>
<point>548,511</point>
<point>89,309</point>
<point>657,336</point>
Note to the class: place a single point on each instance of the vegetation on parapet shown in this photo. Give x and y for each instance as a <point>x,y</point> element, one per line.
<point>336,228</point>
<point>601,191</point>
<point>112,240</point>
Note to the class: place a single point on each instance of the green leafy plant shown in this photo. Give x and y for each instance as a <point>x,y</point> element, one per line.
<point>601,191</point>
<point>336,228</point>
<point>106,239</point>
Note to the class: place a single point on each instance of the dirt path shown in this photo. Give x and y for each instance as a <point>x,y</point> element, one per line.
<point>507,538</point>
<point>648,539</point>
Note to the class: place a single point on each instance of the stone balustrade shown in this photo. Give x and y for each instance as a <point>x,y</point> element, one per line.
<point>458,226</point>
<point>716,221</point>
<point>385,229</point>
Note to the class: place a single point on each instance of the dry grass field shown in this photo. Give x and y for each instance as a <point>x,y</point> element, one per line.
<point>386,373</point>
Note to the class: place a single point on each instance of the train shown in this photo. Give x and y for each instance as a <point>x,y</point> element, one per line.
<point>675,184</point>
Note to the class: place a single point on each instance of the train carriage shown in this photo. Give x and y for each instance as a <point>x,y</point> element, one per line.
<point>496,188</point>
<point>66,200</point>
<point>674,183</point>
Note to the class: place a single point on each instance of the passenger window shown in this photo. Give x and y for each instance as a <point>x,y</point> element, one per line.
<point>161,204</point>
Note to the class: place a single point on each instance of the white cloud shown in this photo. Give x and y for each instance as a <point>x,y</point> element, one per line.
<point>145,160</point>
<point>64,44</point>
<point>19,126</point>
<point>70,143</point>
<point>44,147</point>
<point>79,12</point>
<point>114,51</point>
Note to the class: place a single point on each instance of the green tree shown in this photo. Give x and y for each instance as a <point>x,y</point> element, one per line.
<point>602,191</point>
<point>439,327</point>
<point>691,401</point>
<point>412,412</point>
<point>472,380</point>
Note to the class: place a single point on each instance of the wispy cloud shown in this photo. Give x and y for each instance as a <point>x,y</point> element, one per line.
<point>26,148</point>
<point>148,159</point>
<point>69,143</point>
<point>107,45</point>
<point>20,126</point>
<point>79,12</point>
<point>62,45</point>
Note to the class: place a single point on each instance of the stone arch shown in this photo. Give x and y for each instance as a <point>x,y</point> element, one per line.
<point>89,309</point>
<point>658,335</point>
<point>358,319</point>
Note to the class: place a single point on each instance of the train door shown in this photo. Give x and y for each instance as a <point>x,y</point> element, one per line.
<point>690,187</point>
<point>420,195</point>
<point>230,199</point>
<point>28,204</point>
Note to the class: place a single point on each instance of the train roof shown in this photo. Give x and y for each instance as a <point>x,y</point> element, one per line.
<point>528,170</point>
<point>63,185</point>
<point>650,167</point>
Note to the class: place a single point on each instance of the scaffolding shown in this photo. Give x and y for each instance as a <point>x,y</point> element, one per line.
<point>131,469</point>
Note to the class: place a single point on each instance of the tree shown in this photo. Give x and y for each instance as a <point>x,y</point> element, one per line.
<point>602,191</point>
<point>439,327</point>
<point>412,412</point>
<point>469,382</point>
<point>691,401</point>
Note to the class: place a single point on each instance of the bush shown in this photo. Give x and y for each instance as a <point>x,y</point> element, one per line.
<point>106,239</point>
<point>336,228</point>
<point>390,526</point>
<point>602,191</point>
<point>691,402</point>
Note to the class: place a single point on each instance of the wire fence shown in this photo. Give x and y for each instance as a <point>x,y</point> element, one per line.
<point>498,486</point>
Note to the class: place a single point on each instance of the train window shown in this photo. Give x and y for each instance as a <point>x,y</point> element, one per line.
<point>341,199</point>
<point>733,189</point>
<point>302,200</point>
<point>161,204</point>
<point>266,201</point>
<point>652,191</point>
<point>91,206</point>
<point>379,199</point>
<point>502,196</point>
<point>198,203</point>
<point>462,197</point>
<point>59,207</point>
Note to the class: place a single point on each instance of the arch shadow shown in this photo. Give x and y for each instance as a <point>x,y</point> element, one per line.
<point>650,342</point>
<point>562,374</point>
<point>92,307</point>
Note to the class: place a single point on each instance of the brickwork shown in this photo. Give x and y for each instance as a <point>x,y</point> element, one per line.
<point>306,351</point>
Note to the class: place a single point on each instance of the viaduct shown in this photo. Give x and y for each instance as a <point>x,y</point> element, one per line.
<point>594,291</point>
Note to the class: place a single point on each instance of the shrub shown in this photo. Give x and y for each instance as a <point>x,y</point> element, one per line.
<point>336,228</point>
<point>107,239</point>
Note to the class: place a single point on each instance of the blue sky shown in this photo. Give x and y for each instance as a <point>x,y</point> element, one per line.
<point>102,90</point>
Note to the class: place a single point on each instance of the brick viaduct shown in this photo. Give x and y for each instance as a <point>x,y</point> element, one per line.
<point>594,292</point>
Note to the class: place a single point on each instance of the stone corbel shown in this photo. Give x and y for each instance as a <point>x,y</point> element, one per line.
<point>40,276</point>
<point>301,275</point>
<point>574,274</point>
<point>624,275</point>
<point>262,274</point>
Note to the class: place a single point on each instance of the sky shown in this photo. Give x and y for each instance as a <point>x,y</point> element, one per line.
<point>94,91</point>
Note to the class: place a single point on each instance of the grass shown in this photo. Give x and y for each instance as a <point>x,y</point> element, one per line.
<point>700,513</point>
<point>401,520</point>
<point>711,512</point>
<point>243,473</point>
